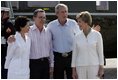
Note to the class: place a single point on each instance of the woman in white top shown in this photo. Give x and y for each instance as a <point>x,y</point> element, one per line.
<point>87,57</point>
<point>17,59</point>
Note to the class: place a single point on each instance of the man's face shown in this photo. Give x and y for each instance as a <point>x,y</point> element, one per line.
<point>40,18</point>
<point>62,14</point>
<point>5,15</point>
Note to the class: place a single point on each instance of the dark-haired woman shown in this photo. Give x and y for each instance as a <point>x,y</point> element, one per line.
<point>17,59</point>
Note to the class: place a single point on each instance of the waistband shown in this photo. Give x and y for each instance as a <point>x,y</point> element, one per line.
<point>66,54</point>
<point>40,59</point>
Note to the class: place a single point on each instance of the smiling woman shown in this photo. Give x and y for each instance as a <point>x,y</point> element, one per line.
<point>17,59</point>
<point>87,57</point>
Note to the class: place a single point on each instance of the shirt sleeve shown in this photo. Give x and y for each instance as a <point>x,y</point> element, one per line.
<point>10,53</point>
<point>100,49</point>
<point>51,51</point>
<point>74,53</point>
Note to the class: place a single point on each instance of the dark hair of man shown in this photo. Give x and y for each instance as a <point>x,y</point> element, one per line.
<point>36,11</point>
<point>20,22</point>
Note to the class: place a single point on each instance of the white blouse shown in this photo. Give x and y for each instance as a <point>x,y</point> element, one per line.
<point>17,59</point>
<point>88,50</point>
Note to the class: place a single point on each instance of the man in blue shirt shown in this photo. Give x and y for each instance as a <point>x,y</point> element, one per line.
<point>63,31</point>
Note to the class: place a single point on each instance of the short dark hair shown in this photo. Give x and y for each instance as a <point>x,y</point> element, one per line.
<point>36,11</point>
<point>20,22</point>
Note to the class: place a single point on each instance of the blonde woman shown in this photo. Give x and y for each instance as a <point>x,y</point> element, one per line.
<point>87,57</point>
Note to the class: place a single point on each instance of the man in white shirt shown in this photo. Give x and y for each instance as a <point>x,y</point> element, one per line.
<point>40,47</point>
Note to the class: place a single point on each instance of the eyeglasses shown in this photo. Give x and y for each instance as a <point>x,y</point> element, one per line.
<point>41,17</point>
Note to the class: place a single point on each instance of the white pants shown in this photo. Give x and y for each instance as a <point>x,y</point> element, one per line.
<point>87,72</point>
<point>17,76</point>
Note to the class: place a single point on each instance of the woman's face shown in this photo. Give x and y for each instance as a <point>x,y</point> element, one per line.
<point>81,24</point>
<point>26,28</point>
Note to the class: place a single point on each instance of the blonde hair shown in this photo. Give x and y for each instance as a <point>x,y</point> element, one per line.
<point>85,16</point>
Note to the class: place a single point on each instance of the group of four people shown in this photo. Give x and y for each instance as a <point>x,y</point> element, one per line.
<point>62,47</point>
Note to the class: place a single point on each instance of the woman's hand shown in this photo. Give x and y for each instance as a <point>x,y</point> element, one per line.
<point>74,73</point>
<point>101,71</point>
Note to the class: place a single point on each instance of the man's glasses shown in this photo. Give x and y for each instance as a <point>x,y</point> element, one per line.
<point>41,17</point>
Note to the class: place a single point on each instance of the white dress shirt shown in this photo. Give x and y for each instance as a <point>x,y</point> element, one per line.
<point>17,59</point>
<point>41,43</point>
<point>88,50</point>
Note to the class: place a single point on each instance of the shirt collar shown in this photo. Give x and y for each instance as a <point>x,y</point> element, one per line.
<point>67,22</point>
<point>34,27</point>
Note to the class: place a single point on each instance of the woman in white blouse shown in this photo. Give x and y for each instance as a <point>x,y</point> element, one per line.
<point>17,59</point>
<point>87,57</point>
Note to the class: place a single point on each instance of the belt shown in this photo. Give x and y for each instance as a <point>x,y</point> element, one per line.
<point>40,59</point>
<point>66,54</point>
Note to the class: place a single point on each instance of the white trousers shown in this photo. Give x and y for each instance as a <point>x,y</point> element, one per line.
<point>17,76</point>
<point>87,72</point>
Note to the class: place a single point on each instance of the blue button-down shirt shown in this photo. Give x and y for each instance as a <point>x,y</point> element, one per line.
<point>63,36</point>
